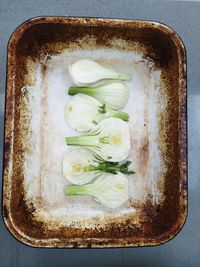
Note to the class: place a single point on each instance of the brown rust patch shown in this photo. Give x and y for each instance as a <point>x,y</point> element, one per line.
<point>144,155</point>
<point>42,36</point>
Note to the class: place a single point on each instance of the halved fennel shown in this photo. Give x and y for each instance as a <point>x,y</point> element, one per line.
<point>80,166</point>
<point>110,141</point>
<point>114,94</point>
<point>111,190</point>
<point>83,112</point>
<point>86,71</point>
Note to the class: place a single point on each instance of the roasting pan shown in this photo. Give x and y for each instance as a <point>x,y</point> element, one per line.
<point>35,209</point>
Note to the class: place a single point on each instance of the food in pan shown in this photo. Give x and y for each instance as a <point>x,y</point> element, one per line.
<point>112,93</point>
<point>86,71</point>
<point>110,190</point>
<point>83,113</point>
<point>81,166</point>
<point>110,140</point>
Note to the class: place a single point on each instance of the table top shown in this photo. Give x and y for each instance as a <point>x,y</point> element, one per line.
<point>184,18</point>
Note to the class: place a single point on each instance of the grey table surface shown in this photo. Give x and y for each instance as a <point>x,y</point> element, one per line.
<point>184,18</point>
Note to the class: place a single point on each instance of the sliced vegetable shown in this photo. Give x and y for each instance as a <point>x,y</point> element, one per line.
<point>111,141</point>
<point>109,189</point>
<point>81,166</point>
<point>76,164</point>
<point>114,94</point>
<point>84,112</point>
<point>86,71</point>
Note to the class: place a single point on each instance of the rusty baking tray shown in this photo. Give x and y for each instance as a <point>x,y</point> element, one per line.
<point>35,209</point>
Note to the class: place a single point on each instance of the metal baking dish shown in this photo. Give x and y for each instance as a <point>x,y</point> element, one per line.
<point>35,209</point>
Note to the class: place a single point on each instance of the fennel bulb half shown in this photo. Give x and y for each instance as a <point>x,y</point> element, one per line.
<point>109,189</point>
<point>114,94</point>
<point>86,71</point>
<point>83,112</point>
<point>110,141</point>
<point>81,166</point>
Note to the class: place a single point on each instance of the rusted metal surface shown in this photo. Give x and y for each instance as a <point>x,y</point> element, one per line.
<point>158,47</point>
